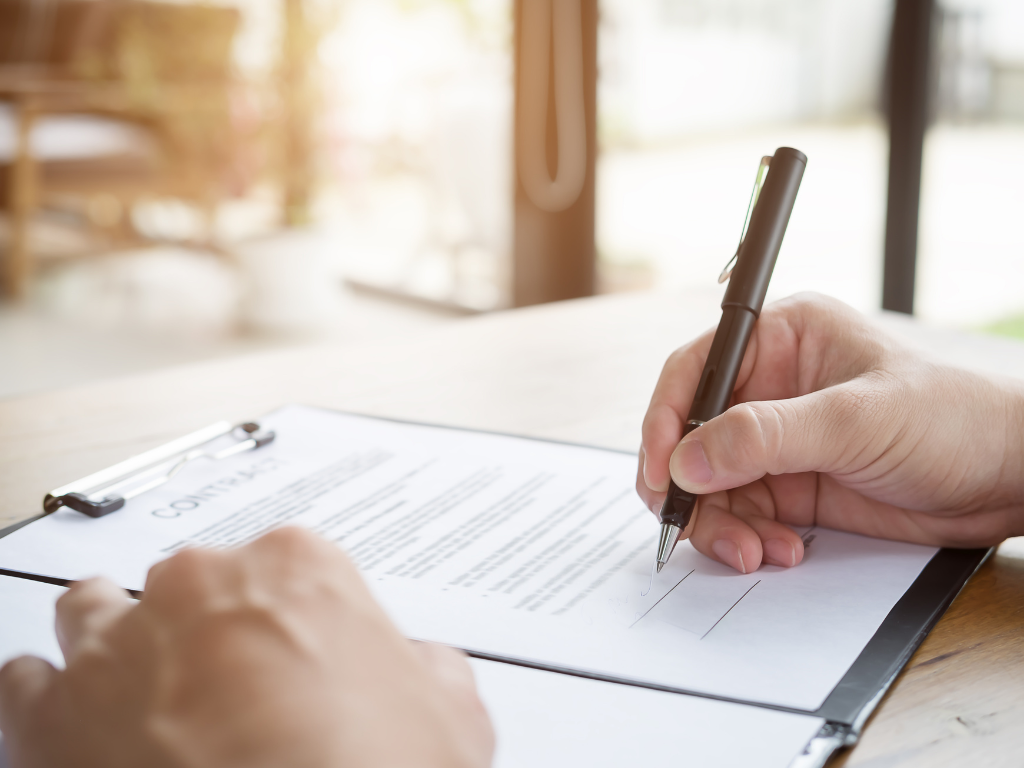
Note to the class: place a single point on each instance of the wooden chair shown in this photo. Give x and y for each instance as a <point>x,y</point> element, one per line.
<point>156,73</point>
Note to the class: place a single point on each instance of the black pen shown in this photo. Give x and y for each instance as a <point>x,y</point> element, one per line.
<point>755,257</point>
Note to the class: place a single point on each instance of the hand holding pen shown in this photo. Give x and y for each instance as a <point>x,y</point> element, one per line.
<point>833,424</point>
<point>836,425</point>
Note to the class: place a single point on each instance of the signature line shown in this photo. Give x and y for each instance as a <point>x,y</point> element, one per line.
<point>730,608</point>
<point>663,597</point>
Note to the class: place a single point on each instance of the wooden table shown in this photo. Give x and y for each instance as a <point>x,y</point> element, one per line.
<point>580,371</point>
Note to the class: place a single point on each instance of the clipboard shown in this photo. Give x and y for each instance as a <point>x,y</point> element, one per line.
<point>95,495</point>
<point>846,709</point>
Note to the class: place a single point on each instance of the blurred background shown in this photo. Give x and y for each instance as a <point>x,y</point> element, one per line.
<point>187,180</point>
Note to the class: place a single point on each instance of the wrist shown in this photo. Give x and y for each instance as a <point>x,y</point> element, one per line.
<point>1012,475</point>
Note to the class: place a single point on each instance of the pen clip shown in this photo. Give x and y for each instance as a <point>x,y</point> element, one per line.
<point>762,171</point>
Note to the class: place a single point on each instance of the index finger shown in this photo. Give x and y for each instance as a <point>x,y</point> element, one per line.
<point>666,414</point>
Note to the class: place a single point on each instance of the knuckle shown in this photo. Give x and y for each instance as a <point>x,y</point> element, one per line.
<point>291,536</point>
<point>653,419</point>
<point>809,298</point>
<point>291,540</point>
<point>647,427</point>
<point>296,547</point>
<point>304,565</point>
<point>661,432</point>
<point>191,561</point>
<point>817,310</point>
<point>641,488</point>
<point>72,596</point>
<point>817,303</point>
<point>86,591</point>
<point>20,675</point>
<point>12,672</point>
<point>677,358</point>
<point>803,303</point>
<point>650,424</point>
<point>686,358</point>
<point>184,575</point>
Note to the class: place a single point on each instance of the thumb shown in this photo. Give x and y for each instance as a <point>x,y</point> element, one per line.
<point>812,433</point>
<point>23,683</point>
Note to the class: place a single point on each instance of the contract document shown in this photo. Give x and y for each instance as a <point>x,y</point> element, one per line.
<point>540,718</point>
<point>512,549</point>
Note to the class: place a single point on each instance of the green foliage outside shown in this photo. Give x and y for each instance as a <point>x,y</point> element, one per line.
<point>1011,326</point>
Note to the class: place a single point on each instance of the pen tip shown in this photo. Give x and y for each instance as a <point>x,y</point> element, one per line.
<point>666,543</point>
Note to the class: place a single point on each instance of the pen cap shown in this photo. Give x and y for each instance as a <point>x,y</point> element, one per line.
<point>756,259</point>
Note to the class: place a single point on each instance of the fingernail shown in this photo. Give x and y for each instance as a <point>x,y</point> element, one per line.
<point>780,552</point>
<point>729,553</point>
<point>692,464</point>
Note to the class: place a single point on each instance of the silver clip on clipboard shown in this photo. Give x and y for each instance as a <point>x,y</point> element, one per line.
<point>107,491</point>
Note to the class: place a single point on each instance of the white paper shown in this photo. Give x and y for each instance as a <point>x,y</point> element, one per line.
<point>27,611</point>
<point>548,719</point>
<point>524,549</point>
<point>540,718</point>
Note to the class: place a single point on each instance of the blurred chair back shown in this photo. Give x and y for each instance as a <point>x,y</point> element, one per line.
<point>162,66</point>
<point>119,39</point>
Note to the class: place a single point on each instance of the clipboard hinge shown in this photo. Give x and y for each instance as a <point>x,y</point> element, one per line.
<point>830,739</point>
<point>95,495</point>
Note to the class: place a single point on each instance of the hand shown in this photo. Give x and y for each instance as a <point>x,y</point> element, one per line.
<point>269,655</point>
<point>835,424</point>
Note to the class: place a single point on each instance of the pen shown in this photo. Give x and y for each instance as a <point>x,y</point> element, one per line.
<point>748,282</point>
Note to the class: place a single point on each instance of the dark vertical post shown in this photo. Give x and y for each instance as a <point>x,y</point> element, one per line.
<point>553,251</point>
<point>909,88</point>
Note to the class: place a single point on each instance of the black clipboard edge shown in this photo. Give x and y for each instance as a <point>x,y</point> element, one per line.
<point>35,577</point>
<point>852,702</point>
<point>57,582</point>
<point>20,524</point>
<point>900,634</point>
